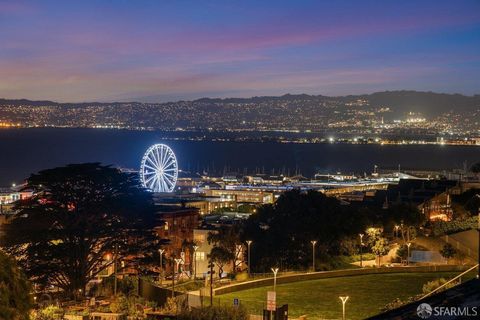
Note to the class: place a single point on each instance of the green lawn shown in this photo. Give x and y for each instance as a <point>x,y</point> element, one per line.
<point>318,299</point>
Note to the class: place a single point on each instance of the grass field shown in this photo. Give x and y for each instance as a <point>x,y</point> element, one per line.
<point>318,299</point>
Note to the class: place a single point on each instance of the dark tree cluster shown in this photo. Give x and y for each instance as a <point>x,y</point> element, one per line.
<point>281,232</point>
<point>469,201</point>
<point>225,241</point>
<point>78,215</point>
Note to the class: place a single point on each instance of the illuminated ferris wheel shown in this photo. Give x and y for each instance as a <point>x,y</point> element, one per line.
<point>159,169</point>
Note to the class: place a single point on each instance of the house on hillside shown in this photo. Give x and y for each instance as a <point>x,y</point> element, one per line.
<point>431,197</point>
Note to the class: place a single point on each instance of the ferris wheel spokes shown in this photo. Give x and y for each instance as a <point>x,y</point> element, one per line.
<point>159,169</point>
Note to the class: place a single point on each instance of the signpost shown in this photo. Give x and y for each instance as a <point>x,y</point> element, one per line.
<point>271,300</point>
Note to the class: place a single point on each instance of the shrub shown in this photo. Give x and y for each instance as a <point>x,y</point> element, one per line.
<point>127,286</point>
<point>214,313</point>
<point>171,307</point>
<point>365,256</point>
<point>241,276</point>
<point>15,301</point>
<point>327,263</point>
<point>434,284</point>
<point>48,313</point>
<point>402,252</point>
<point>119,304</point>
<point>440,228</point>
<point>132,306</point>
<point>448,251</point>
<point>397,303</point>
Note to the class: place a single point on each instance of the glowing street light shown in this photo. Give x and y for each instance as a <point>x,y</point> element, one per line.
<point>313,242</point>
<point>177,263</point>
<point>344,301</point>
<point>160,274</point>
<point>275,271</point>
<point>396,230</point>
<point>408,253</point>
<point>249,242</point>
<point>361,249</point>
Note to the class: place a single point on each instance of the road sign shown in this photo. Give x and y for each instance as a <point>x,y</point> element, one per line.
<point>271,300</point>
<point>236,302</point>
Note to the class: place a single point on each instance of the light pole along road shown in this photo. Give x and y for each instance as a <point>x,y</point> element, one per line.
<point>314,242</point>
<point>249,242</point>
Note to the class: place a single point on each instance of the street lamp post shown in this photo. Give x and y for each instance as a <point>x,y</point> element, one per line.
<point>396,230</point>
<point>401,231</point>
<point>344,301</point>
<point>177,263</point>
<point>249,242</point>
<point>275,271</point>
<point>160,274</point>
<point>313,242</point>
<point>361,249</point>
<point>408,253</point>
<point>195,248</point>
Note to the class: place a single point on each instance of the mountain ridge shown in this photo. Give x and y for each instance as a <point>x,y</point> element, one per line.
<point>229,99</point>
<point>400,102</point>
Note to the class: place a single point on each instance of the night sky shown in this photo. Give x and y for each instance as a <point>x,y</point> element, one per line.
<point>170,50</point>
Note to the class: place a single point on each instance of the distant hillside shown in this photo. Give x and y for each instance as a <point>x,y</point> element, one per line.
<point>17,102</point>
<point>400,102</point>
<point>429,104</point>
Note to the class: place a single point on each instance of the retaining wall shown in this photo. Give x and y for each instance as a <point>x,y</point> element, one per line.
<point>334,274</point>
